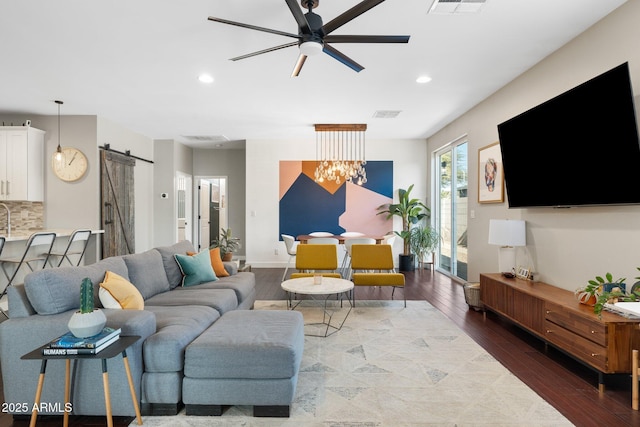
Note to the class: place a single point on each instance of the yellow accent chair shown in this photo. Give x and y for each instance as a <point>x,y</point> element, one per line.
<point>348,243</point>
<point>316,259</point>
<point>372,265</point>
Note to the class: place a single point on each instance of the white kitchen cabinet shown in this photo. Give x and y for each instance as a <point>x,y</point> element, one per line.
<point>21,163</point>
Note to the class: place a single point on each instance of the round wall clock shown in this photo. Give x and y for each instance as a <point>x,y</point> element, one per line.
<point>74,166</point>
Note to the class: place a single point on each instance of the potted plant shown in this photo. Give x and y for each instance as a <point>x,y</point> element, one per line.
<point>88,321</point>
<point>599,290</point>
<point>616,293</point>
<point>411,211</point>
<point>227,244</point>
<point>424,240</point>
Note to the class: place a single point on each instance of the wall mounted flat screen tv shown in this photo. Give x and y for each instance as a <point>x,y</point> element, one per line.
<point>580,148</point>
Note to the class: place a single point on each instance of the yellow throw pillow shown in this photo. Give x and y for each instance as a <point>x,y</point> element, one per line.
<point>117,292</point>
<point>216,262</point>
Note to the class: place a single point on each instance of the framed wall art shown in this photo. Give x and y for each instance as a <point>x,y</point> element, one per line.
<point>490,175</point>
<point>306,205</point>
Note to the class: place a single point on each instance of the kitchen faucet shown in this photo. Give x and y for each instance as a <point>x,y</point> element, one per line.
<point>8,218</point>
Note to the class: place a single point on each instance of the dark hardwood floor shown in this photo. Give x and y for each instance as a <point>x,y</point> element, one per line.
<point>568,385</point>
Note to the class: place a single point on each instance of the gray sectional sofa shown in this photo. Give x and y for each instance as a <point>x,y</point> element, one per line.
<point>172,318</point>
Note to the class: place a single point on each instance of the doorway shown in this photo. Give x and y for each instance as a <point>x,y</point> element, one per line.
<point>212,209</point>
<point>184,230</point>
<point>452,204</point>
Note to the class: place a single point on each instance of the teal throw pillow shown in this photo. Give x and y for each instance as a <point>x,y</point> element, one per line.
<point>195,269</point>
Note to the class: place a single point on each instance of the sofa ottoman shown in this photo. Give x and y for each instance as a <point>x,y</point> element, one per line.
<point>245,358</point>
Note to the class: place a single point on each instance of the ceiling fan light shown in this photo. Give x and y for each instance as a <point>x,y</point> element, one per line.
<point>310,48</point>
<point>205,78</point>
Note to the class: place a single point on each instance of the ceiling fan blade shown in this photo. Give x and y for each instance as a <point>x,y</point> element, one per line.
<point>260,52</point>
<point>299,64</point>
<point>253,27</point>
<point>333,52</point>
<point>350,14</point>
<point>366,39</point>
<point>303,24</point>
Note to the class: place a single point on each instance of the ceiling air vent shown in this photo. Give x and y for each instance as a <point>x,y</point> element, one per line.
<point>456,6</point>
<point>386,114</point>
<point>206,138</point>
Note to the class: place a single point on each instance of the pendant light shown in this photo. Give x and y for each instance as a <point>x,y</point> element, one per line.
<point>59,155</point>
<point>340,150</point>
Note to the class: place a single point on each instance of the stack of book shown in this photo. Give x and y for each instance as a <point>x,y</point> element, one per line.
<point>68,344</point>
<point>629,309</point>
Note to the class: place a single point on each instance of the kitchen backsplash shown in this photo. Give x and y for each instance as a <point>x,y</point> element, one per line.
<point>25,216</point>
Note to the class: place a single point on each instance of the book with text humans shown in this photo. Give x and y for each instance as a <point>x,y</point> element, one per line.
<point>49,351</point>
<point>68,340</point>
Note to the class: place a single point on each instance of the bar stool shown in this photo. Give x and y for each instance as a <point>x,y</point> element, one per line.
<point>29,256</point>
<point>77,245</point>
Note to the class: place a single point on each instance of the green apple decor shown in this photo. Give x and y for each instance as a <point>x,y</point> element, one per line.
<point>88,321</point>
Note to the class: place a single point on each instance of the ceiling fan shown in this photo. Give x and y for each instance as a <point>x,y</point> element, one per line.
<point>314,36</point>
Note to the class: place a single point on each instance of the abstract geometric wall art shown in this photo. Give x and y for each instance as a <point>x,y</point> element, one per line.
<point>307,206</point>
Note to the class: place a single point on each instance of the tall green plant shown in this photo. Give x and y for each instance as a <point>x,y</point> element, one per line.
<point>86,296</point>
<point>411,211</point>
<point>424,240</point>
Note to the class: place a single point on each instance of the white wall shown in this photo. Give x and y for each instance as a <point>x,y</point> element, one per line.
<point>568,246</point>
<point>263,157</point>
<point>169,156</point>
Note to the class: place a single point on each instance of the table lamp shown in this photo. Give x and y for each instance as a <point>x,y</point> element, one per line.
<point>507,233</point>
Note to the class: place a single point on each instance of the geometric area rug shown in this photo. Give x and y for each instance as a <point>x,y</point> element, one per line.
<point>393,366</point>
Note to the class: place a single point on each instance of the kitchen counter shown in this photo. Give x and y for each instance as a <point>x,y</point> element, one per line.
<point>23,235</point>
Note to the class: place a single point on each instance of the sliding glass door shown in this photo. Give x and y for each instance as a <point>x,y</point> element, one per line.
<point>451,204</point>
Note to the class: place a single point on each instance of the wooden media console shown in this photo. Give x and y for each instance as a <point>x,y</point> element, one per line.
<point>555,316</point>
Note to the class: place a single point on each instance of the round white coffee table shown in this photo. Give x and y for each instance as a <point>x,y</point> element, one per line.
<point>328,287</point>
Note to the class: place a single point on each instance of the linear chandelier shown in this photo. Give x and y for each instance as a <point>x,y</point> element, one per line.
<point>340,153</point>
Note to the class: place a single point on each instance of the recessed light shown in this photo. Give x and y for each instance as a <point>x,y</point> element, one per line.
<point>205,78</point>
<point>423,79</point>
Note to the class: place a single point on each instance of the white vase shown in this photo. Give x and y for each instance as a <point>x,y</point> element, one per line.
<point>83,325</point>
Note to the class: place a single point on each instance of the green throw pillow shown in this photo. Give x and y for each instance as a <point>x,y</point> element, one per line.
<point>195,269</point>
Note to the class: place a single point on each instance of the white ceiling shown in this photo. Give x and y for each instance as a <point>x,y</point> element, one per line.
<point>137,63</point>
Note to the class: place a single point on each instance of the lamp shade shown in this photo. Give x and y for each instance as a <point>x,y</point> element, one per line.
<point>507,232</point>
